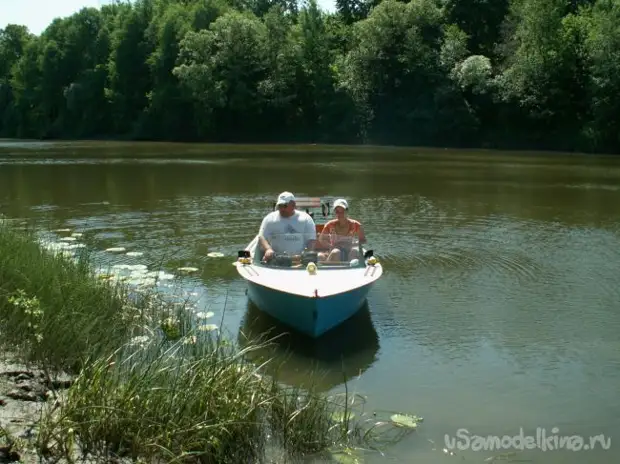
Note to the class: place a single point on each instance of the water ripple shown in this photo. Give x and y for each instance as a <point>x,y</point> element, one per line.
<point>501,290</point>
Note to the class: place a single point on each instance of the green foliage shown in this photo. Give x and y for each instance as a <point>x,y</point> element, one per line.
<point>602,47</point>
<point>504,73</point>
<point>52,309</point>
<point>148,380</point>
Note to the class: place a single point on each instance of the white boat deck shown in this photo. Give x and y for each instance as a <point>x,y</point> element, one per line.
<point>323,283</point>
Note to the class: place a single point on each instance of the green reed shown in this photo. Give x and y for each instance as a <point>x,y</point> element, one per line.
<point>150,383</point>
<point>193,398</point>
<point>53,310</point>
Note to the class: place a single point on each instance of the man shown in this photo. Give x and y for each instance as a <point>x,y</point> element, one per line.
<point>286,229</point>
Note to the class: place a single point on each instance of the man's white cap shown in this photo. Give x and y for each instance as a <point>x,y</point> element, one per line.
<point>341,202</point>
<point>285,198</point>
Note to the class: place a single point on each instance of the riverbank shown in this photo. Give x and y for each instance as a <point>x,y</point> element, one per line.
<point>24,391</point>
<point>121,149</point>
<point>95,368</point>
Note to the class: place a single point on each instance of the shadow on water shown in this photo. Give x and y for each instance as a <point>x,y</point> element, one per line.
<point>298,360</point>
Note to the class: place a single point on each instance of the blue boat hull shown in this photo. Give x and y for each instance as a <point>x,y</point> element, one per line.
<point>312,316</point>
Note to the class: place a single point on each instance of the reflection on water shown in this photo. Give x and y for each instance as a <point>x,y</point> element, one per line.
<point>338,356</point>
<point>499,307</point>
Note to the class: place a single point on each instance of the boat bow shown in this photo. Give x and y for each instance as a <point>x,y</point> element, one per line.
<point>324,282</point>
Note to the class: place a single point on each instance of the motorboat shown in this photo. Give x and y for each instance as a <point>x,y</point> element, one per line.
<point>308,292</point>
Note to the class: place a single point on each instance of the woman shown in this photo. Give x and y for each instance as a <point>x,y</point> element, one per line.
<point>340,234</point>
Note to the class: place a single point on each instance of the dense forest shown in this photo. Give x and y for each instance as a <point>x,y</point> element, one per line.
<point>519,74</point>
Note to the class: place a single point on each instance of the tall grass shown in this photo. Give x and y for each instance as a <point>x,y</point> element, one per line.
<point>53,309</point>
<point>149,384</point>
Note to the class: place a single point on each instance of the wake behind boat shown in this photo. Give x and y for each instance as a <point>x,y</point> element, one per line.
<point>307,293</point>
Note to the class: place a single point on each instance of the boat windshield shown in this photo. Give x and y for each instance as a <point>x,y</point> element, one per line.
<point>296,251</point>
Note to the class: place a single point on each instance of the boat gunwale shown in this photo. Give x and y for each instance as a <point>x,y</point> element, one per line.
<point>356,282</point>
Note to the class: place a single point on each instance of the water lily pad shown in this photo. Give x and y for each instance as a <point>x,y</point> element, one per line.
<point>77,234</point>
<point>160,275</point>
<point>339,416</point>
<point>131,267</point>
<point>134,253</point>
<point>215,254</point>
<point>142,281</point>
<point>207,327</point>
<point>188,269</point>
<point>343,458</point>
<point>56,246</point>
<point>346,456</point>
<point>115,250</point>
<point>121,266</point>
<point>206,315</point>
<point>404,420</point>
<point>139,274</point>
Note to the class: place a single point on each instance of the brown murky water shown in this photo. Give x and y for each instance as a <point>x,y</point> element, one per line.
<point>499,309</point>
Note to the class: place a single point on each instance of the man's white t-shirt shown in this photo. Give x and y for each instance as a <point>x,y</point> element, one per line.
<point>288,234</point>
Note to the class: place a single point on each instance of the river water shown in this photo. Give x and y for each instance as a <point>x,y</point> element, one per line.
<point>499,308</point>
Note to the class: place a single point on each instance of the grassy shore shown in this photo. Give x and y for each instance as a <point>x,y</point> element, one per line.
<point>83,149</point>
<point>148,381</point>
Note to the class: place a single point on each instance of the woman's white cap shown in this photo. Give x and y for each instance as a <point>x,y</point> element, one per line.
<point>341,202</point>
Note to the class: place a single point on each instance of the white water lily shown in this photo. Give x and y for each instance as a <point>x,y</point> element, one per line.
<point>77,234</point>
<point>215,254</point>
<point>62,230</point>
<point>68,239</point>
